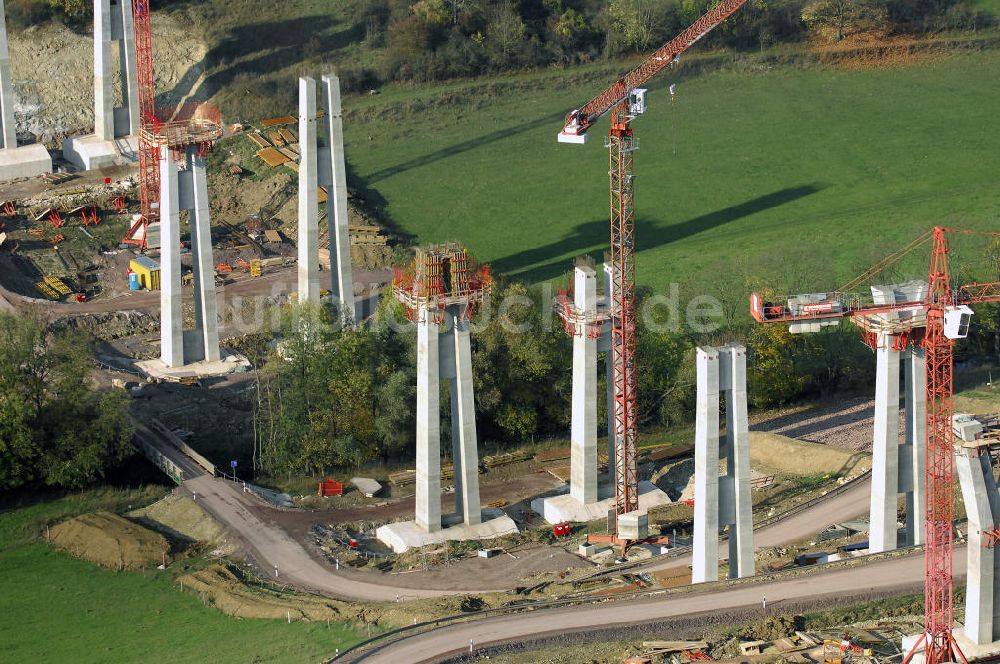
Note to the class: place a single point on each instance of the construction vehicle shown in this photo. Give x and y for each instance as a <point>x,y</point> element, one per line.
<point>625,100</point>
<point>933,317</point>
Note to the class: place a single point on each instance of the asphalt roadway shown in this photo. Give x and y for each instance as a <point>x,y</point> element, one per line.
<point>884,577</point>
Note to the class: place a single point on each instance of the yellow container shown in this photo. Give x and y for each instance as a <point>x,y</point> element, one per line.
<point>148,272</point>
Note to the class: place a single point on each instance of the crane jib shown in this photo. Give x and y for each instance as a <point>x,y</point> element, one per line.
<point>579,121</point>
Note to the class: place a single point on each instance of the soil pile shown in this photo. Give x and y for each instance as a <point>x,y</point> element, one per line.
<point>181,518</point>
<point>228,594</point>
<point>786,456</point>
<point>111,541</point>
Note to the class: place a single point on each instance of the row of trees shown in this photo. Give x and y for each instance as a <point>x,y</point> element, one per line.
<point>55,429</point>
<point>438,39</point>
<point>331,397</point>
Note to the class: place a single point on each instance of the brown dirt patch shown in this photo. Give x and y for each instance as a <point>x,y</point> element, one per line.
<point>787,456</point>
<point>866,51</point>
<point>111,541</point>
<point>230,595</point>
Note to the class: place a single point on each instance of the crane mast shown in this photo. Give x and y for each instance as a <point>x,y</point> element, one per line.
<point>149,151</point>
<point>626,100</point>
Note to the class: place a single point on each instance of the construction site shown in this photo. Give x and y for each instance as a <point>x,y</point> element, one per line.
<point>210,260</point>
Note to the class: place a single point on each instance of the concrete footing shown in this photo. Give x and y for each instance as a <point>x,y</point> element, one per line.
<point>24,162</point>
<point>228,363</point>
<point>404,535</point>
<point>562,508</point>
<point>91,153</point>
<point>722,501</point>
<point>971,649</point>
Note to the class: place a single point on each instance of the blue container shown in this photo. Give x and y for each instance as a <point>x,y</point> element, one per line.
<point>133,281</point>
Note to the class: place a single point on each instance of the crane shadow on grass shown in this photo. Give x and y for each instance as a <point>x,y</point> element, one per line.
<point>549,261</point>
<point>464,146</point>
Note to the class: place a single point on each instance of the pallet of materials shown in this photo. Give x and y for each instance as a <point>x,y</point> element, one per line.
<point>505,459</point>
<point>277,122</point>
<point>46,290</point>
<point>367,235</point>
<point>272,157</point>
<point>288,136</point>
<point>290,153</point>
<point>57,285</point>
<point>259,140</point>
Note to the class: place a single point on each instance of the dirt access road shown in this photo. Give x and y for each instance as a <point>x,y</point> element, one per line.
<point>885,577</point>
<point>271,546</point>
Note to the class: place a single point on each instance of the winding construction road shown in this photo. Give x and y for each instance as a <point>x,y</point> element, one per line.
<point>272,547</point>
<point>896,575</point>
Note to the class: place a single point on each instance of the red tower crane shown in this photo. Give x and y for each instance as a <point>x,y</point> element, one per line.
<point>201,129</point>
<point>149,151</point>
<point>947,319</point>
<point>626,100</point>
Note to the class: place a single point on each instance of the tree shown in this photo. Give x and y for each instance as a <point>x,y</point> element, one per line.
<point>844,15</point>
<point>636,23</point>
<point>506,29</point>
<point>54,427</point>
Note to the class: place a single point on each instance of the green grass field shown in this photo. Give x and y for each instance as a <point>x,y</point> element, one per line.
<point>56,608</point>
<point>759,173</point>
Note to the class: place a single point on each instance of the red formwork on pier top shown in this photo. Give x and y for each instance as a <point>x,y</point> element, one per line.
<point>441,276</point>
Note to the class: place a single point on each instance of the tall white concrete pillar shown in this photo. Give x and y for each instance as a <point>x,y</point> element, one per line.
<point>127,117</point>
<point>583,439</point>
<point>466,407</point>
<point>456,447</point>
<point>885,449</point>
<point>206,303</point>
<point>722,501</point>
<point>171,315</point>
<point>705,549</point>
<point>913,454</point>
<point>428,485</point>
<point>8,130</point>
<point>104,93</point>
<point>308,241</point>
<point>982,505</point>
<point>738,509</point>
<point>341,276</point>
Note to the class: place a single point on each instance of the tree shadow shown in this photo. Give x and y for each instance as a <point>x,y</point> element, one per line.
<point>548,261</point>
<point>283,44</point>
<point>464,146</point>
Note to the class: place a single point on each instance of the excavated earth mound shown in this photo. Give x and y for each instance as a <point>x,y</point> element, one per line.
<point>108,540</point>
<point>182,519</point>
<point>780,454</point>
<point>229,594</point>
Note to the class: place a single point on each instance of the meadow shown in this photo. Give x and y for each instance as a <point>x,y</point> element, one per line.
<point>799,177</point>
<point>56,608</point>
